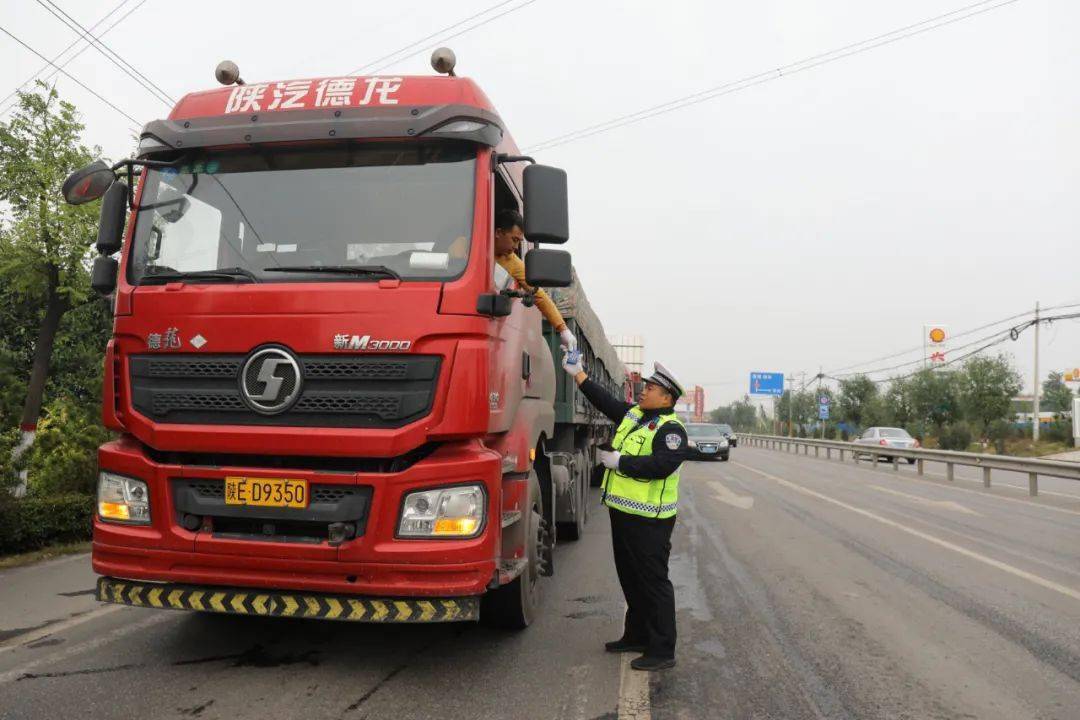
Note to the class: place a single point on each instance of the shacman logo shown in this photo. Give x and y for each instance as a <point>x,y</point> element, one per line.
<point>364,342</point>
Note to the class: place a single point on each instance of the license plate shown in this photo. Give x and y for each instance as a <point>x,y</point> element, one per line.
<point>266,492</point>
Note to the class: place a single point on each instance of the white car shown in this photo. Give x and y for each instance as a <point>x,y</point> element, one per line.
<point>889,437</point>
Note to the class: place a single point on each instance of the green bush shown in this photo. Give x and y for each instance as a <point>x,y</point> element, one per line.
<point>30,523</point>
<point>1059,430</point>
<point>955,436</point>
<point>999,431</point>
<point>63,458</point>
<point>918,430</point>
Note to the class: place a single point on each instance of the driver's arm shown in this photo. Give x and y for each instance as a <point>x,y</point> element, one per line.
<point>512,264</point>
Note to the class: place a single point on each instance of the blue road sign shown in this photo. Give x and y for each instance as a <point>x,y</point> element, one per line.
<point>823,411</point>
<point>763,383</point>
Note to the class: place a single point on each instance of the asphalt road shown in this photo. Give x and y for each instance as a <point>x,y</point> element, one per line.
<point>806,588</point>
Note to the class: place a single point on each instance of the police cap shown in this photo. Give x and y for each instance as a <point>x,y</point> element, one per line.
<point>666,379</point>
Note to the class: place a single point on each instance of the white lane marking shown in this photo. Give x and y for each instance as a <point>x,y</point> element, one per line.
<point>943,504</point>
<point>86,646</point>
<point>634,702</point>
<point>58,627</point>
<point>1005,567</point>
<point>724,495</point>
<point>980,493</point>
<point>989,543</point>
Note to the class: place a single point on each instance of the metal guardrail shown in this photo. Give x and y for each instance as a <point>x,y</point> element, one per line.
<point>950,458</point>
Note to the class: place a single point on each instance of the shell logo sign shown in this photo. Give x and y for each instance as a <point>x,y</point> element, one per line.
<point>934,338</point>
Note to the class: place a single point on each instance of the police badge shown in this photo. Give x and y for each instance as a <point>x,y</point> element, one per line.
<point>673,441</point>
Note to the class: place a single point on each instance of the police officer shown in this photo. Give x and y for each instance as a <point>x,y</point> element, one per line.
<point>641,489</point>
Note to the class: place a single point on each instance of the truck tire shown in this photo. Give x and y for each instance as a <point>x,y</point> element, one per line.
<point>513,606</point>
<point>574,530</point>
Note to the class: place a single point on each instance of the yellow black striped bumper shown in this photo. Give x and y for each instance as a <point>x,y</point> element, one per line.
<point>270,603</point>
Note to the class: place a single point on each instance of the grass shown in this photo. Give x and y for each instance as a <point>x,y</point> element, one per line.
<point>35,556</point>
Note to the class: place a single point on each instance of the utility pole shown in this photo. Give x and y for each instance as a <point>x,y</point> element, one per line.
<point>1035,396</point>
<point>820,375</point>
<point>790,406</point>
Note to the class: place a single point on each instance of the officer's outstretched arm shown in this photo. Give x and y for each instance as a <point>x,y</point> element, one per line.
<point>668,452</point>
<point>601,399</point>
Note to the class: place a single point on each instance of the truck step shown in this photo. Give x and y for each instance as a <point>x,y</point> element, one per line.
<point>276,603</point>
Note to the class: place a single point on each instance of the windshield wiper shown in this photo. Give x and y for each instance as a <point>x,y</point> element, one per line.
<point>339,270</point>
<point>229,273</point>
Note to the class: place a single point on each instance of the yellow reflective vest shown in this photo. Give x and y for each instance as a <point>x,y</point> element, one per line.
<point>655,498</point>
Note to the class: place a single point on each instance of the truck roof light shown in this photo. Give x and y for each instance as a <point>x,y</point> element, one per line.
<point>469,129</point>
<point>227,73</point>
<point>461,126</point>
<point>150,144</point>
<point>443,61</point>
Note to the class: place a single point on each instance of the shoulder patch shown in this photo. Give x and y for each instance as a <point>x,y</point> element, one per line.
<point>673,441</point>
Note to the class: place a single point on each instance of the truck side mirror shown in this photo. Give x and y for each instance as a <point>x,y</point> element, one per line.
<point>548,268</point>
<point>546,205</point>
<point>103,275</point>
<point>113,213</point>
<point>88,183</point>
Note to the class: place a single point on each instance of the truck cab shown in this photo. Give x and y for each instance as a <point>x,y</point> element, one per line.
<point>320,380</point>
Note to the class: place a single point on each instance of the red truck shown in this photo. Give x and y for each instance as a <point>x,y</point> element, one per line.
<point>329,400</point>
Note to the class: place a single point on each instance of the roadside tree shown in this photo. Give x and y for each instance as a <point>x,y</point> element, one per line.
<point>858,401</point>
<point>45,243</point>
<point>1056,395</point>
<point>987,386</point>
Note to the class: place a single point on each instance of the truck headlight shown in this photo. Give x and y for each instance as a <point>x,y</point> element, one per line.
<point>445,512</point>
<point>724,443</point>
<point>123,499</point>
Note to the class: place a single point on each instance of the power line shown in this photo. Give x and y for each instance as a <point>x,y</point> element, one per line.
<point>750,81</point>
<point>840,371</point>
<point>875,371</point>
<point>424,39</point>
<point>918,348</point>
<point>443,40</point>
<point>108,53</point>
<point>68,75</point>
<point>1012,333</point>
<point>52,63</point>
<point>60,54</point>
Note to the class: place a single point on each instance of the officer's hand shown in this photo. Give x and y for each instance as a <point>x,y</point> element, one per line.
<point>567,340</point>
<point>573,368</point>
<point>609,459</point>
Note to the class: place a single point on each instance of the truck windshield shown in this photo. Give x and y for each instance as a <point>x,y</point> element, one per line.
<point>406,208</point>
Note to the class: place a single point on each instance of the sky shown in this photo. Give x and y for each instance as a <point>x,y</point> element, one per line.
<point>813,222</point>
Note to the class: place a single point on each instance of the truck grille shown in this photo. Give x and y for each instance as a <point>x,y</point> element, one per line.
<point>339,391</point>
<point>330,504</point>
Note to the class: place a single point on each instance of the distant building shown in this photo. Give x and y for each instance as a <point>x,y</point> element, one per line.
<point>1023,405</point>
<point>691,406</point>
<point>631,350</point>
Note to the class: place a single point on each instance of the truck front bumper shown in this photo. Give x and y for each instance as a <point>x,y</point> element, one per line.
<point>319,606</point>
<point>376,563</point>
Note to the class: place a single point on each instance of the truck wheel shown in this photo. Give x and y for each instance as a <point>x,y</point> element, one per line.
<point>574,530</point>
<point>513,606</point>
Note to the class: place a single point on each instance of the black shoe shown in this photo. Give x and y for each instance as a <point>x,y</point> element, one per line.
<point>652,663</point>
<point>621,646</point>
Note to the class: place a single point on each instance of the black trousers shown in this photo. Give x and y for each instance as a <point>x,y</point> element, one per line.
<point>642,547</point>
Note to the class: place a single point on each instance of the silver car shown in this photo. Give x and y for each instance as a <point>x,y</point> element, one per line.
<point>889,437</point>
<point>707,442</point>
